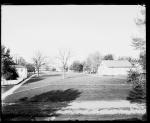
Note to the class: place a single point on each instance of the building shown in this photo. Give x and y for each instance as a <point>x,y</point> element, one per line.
<point>22,71</point>
<point>115,67</point>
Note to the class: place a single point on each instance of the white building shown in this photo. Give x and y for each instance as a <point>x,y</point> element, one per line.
<point>115,67</point>
<point>22,71</point>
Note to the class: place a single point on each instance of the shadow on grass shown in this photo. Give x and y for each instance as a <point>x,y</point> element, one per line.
<point>44,105</point>
<point>41,77</point>
<point>52,75</point>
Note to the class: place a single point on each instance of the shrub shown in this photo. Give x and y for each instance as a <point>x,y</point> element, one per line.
<point>143,60</point>
<point>11,74</point>
<point>53,69</point>
<point>7,71</point>
<point>30,68</point>
<point>144,117</point>
<point>133,76</point>
<point>138,92</point>
<point>76,66</point>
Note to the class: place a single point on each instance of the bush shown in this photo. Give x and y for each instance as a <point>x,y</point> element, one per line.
<point>8,75</point>
<point>143,60</point>
<point>7,71</point>
<point>53,69</point>
<point>76,66</point>
<point>11,74</point>
<point>30,68</point>
<point>133,76</point>
<point>144,117</point>
<point>138,92</point>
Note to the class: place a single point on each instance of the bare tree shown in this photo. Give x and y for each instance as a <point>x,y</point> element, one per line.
<point>39,60</point>
<point>139,42</point>
<point>92,62</point>
<point>20,60</point>
<point>64,57</point>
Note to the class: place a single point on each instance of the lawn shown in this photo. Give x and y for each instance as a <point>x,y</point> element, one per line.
<point>91,88</point>
<point>43,105</point>
<point>52,91</point>
<point>6,88</point>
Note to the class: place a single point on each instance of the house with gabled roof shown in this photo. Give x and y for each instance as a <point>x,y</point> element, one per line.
<point>115,67</point>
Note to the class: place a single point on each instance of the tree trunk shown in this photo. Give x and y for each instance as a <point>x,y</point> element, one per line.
<point>38,72</point>
<point>63,76</point>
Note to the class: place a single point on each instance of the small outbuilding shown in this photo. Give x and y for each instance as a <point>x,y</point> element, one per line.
<point>22,71</point>
<point>114,67</point>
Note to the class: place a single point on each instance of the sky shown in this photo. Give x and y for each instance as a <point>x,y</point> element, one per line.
<point>83,29</point>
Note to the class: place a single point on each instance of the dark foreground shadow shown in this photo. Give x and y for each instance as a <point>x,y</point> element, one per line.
<point>57,96</point>
<point>44,105</point>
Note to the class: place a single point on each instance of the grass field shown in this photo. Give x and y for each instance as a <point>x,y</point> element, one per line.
<point>52,91</point>
<point>6,88</point>
<point>91,87</point>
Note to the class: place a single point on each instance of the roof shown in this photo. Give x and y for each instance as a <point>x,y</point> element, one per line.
<point>19,66</point>
<point>117,63</point>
